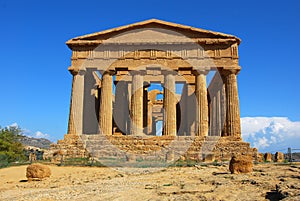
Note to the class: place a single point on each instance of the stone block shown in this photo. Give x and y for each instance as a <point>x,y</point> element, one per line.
<point>259,157</point>
<point>241,164</point>
<point>268,157</point>
<point>37,171</point>
<point>279,157</point>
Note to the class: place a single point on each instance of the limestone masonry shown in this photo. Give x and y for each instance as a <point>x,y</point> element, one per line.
<point>154,90</point>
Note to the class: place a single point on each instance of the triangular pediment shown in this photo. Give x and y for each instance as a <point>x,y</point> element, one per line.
<point>188,31</point>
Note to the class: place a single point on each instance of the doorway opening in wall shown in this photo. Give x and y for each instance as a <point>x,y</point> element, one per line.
<point>156,86</point>
<point>159,128</point>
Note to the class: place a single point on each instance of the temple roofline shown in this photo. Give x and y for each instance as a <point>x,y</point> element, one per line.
<point>179,27</point>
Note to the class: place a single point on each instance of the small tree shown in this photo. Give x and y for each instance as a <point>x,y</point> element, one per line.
<point>10,148</point>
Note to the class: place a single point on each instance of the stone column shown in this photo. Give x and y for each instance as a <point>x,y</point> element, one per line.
<point>202,103</point>
<point>136,111</point>
<point>106,110</point>
<point>219,113</point>
<point>169,104</point>
<point>214,116</point>
<point>76,103</point>
<point>233,124</point>
<point>71,124</point>
<point>149,115</point>
<point>191,105</point>
<point>223,111</point>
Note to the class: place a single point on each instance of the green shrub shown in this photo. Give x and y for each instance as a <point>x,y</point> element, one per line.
<point>11,149</point>
<point>3,160</point>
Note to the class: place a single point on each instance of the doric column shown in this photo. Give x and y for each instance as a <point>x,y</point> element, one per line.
<point>149,115</point>
<point>223,110</point>
<point>169,103</point>
<point>190,110</point>
<point>233,124</point>
<point>76,103</point>
<point>136,111</point>
<point>214,116</point>
<point>202,103</point>
<point>219,113</point>
<point>71,124</point>
<point>105,116</point>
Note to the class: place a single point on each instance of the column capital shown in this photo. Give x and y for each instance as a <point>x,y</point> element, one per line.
<point>75,70</point>
<point>226,72</point>
<point>107,72</point>
<point>200,72</point>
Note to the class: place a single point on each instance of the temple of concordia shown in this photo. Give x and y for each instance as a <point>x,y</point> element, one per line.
<point>156,90</point>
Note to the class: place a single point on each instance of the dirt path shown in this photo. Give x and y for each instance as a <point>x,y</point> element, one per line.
<point>189,183</point>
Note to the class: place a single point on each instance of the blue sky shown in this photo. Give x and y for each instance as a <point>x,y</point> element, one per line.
<point>35,84</point>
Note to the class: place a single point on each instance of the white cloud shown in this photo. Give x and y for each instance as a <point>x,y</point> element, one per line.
<point>14,125</point>
<point>29,133</point>
<point>261,142</point>
<point>39,134</point>
<point>271,133</point>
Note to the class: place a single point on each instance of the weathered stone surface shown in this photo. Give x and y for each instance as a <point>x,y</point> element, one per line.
<point>288,190</point>
<point>191,147</point>
<point>37,171</point>
<point>268,157</point>
<point>240,164</point>
<point>279,157</point>
<point>70,147</point>
<point>260,157</point>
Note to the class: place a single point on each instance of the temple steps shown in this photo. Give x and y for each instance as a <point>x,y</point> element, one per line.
<point>152,148</point>
<point>196,148</point>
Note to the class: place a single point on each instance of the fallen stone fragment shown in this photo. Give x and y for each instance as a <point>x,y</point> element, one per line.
<point>268,157</point>
<point>279,157</point>
<point>37,172</point>
<point>240,164</point>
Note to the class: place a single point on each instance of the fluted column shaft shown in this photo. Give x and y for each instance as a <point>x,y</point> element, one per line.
<point>169,104</point>
<point>150,122</point>
<point>233,124</point>
<point>71,124</point>
<point>105,116</point>
<point>202,104</point>
<point>75,115</point>
<point>136,111</point>
<point>219,113</point>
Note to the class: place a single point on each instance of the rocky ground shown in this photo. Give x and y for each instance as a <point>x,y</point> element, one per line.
<point>202,182</point>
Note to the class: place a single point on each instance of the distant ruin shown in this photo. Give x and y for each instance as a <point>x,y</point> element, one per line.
<point>142,91</point>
